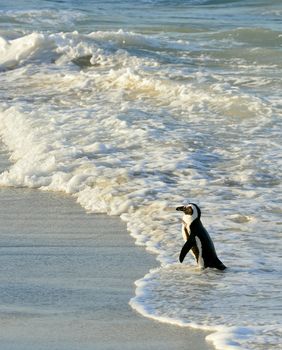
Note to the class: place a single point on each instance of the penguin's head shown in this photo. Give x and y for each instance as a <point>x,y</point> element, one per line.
<point>191,209</point>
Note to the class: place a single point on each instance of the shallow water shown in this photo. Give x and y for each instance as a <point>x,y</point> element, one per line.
<point>137,108</point>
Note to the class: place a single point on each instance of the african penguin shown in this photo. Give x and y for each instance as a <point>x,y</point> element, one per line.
<point>197,238</point>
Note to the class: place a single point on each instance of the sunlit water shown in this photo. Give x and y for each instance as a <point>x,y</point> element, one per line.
<point>135,108</point>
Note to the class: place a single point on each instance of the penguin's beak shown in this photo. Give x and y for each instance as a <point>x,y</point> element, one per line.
<point>180,208</point>
<point>186,209</point>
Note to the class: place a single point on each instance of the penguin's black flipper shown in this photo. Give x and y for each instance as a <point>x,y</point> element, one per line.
<point>187,246</point>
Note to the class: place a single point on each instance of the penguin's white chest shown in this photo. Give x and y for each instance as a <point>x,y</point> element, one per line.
<point>184,232</point>
<point>186,222</point>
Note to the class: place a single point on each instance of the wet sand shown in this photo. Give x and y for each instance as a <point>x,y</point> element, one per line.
<point>67,277</point>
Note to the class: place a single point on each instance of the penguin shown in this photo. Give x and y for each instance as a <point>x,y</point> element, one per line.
<point>197,239</point>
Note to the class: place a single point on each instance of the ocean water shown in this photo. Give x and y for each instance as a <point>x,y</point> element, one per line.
<point>136,107</point>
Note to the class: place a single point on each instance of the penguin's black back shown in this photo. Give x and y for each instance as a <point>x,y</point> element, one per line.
<point>209,255</point>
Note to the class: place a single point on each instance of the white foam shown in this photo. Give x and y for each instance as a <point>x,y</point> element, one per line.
<point>129,135</point>
<point>12,52</point>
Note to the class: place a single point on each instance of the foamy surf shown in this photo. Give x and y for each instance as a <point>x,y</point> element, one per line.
<point>134,124</point>
<point>15,51</point>
<point>199,299</point>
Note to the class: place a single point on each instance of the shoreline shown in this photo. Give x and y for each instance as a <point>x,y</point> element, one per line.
<point>66,282</point>
<point>67,278</point>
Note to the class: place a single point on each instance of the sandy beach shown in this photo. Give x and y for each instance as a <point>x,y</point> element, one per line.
<point>67,277</point>
<point>131,109</point>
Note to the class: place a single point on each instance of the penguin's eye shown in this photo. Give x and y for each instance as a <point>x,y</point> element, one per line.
<point>189,211</point>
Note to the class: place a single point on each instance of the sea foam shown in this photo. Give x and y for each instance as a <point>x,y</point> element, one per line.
<point>128,133</point>
<point>15,51</point>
